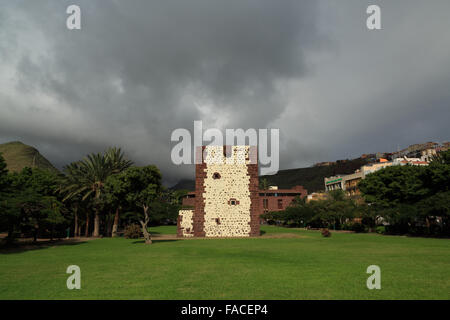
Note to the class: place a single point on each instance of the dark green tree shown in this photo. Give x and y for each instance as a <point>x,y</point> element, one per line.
<point>3,170</point>
<point>4,189</point>
<point>32,202</point>
<point>141,188</point>
<point>116,189</point>
<point>393,185</point>
<point>412,199</point>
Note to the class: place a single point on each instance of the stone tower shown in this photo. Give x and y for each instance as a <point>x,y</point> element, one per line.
<point>226,194</point>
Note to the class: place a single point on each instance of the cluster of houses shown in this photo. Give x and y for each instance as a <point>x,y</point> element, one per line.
<point>416,155</point>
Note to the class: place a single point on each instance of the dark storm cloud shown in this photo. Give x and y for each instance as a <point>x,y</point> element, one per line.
<point>139,69</point>
<point>372,91</point>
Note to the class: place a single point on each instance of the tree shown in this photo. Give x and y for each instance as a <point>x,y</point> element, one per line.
<point>4,185</point>
<point>141,187</point>
<point>263,184</point>
<point>393,185</point>
<point>72,197</point>
<point>119,164</point>
<point>3,171</point>
<point>412,199</point>
<point>340,211</point>
<point>95,169</point>
<point>31,201</point>
<point>117,159</point>
<point>165,210</point>
<point>334,211</point>
<point>53,211</point>
<point>436,211</point>
<point>116,192</point>
<point>299,213</point>
<point>88,176</point>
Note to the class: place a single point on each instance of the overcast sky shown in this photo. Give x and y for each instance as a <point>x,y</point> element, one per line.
<point>137,70</point>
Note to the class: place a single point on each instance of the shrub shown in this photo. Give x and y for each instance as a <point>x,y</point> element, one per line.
<point>347,226</point>
<point>358,227</point>
<point>380,230</point>
<point>132,231</point>
<point>326,233</point>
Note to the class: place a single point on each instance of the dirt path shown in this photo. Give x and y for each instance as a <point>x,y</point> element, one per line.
<point>264,236</point>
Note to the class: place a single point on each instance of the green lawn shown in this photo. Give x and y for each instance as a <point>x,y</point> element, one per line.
<point>306,267</point>
<point>163,230</point>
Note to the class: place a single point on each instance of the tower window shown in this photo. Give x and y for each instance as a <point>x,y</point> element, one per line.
<point>216,175</point>
<point>233,202</point>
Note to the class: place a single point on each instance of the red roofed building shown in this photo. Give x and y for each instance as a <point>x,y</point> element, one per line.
<point>189,199</point>
<point>275,199</point>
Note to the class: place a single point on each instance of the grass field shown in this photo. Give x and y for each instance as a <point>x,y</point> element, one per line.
<point>300,265</point>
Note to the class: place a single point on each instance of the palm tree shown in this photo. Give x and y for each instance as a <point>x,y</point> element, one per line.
<point>71,184</point>
<point>117,159</point>
<point>119,164</point>
<point>87,177</point>
<point>95,168</point>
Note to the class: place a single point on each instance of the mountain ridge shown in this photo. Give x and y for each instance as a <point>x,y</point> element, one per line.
<point>18,155</point>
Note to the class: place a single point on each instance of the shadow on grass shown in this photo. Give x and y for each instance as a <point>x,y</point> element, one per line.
<point>262,232</point>
<point>154,241</point>
<point>18,247</point>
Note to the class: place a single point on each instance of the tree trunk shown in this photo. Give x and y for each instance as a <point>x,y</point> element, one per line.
<point>108,225</point>
<point>36,227</point>
<point>96,224</point>
<point>75,229</point>
<point>116,223</point>
<point>147,235</point>
<point>86,231</point>
<point>10,237</point>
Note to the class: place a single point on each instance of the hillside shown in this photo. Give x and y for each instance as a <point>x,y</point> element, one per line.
<point>19,155</point>
<point>184,184</point>
<point>311,178</point>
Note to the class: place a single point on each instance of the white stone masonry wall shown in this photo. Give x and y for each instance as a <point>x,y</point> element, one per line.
<point>222,217</point>
<point>186,222</point>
